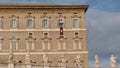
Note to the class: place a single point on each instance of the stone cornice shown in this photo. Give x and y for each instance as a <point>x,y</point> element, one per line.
<point>42,6</point>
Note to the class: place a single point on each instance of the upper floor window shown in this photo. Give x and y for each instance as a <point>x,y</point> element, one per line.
<point>30,23</point>
<point>76,23</point>
<point>13,23</point>
<point>45,23</point>
<point>61,22</point>
<point>1,23</point>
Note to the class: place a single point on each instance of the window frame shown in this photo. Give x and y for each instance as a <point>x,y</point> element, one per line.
<point>45,23</point>
<point>62,21</point>
<point>14,23</point>
<point>30,23</point>
<point>44,47</point>
<point>32,46</point>
<point>79,46</point>
<point>76,24</point>
<point>16,44</point>
<point>63,46</point>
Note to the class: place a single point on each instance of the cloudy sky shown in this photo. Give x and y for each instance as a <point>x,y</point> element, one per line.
<point>103,26</point>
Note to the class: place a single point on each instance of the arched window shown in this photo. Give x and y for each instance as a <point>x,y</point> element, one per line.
<point>45,23</point>
<point>76,23</point>
<point>13,23</point>
<point>30,23</point>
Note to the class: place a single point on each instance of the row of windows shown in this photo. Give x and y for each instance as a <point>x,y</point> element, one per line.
<point>30,23</point>
<point>14,44</point>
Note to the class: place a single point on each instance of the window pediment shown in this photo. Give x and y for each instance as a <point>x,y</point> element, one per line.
<point>61,16</point>
<point>29,16</point>
<point>14,16</point>
<point>14,38</point>
<point>45,16</point>
<point>75,16</point>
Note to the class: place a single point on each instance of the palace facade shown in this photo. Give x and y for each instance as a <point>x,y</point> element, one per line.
<point>32,33</point>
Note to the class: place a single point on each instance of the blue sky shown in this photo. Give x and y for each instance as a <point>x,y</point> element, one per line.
<point>103,24</point>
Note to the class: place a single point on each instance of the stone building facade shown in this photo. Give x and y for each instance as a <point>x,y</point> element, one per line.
<point>34,30</point>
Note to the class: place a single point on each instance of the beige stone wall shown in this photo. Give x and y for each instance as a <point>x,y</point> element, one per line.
<point>22,33</point>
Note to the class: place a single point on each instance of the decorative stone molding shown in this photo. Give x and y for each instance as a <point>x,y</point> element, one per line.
<point>75,16</point>
<point>29,15</point>
<point>14,38</point>
<point>14,16</point>
<point>45,16</point>
<point>61,16</point>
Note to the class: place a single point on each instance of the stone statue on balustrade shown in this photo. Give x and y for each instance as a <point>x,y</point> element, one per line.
<point>45,61</point>
<point>11,56</point>
<point>62,62</point>
<point>113,61</point>
<point>97,61</point>
<point>28,57</point>
<point>79,61</point>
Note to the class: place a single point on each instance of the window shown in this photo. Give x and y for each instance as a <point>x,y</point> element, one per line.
<point>30,23</point>
<point>62,44</point>
<point>13,23</point>
<point>76,23</point>
<point>1,23</point>
<point>14,44</point>
<point>30,44</point>
<point>45,23</point>
<point>46,45</point>
<point>77,44</point>
<point>60,22</point>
